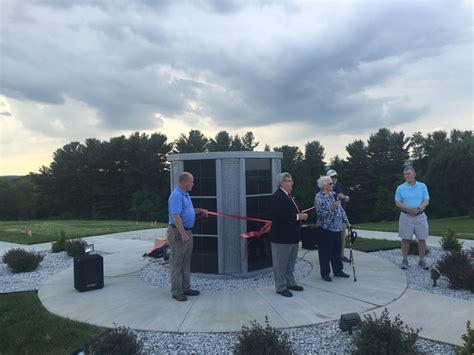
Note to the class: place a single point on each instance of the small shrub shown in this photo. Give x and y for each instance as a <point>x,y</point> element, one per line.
<point>450,242</point>
<point>384,336</point>
<point>21,260</point>
<point>468,348</point>
<point>257,339</point>
<point>116,341</point>
<point>457,267</point>
<point>59,245</point>
<point>413,248</point>
<point>75,247</point>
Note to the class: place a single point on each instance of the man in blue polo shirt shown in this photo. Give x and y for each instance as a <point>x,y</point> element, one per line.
<point>412,198</point>
<point>181,220</point>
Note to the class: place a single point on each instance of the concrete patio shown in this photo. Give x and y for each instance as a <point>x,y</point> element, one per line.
<point>127,300</point>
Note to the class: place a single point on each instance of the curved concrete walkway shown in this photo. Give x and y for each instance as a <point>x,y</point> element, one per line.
<point>127,300</point>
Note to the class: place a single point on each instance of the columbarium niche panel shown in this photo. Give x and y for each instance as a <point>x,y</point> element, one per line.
<point>203,195</point>
<point>237,183</point>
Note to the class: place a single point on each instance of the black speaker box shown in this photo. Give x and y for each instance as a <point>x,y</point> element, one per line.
<point>309,238</point>
<point>88,272</point>
<point>349,321</point>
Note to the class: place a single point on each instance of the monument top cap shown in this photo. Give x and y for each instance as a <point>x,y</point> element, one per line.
<point>225,155</point>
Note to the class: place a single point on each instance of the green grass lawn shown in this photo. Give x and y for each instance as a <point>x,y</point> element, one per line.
<point>28,328</point>
<point>47,230</point>
<point>464,226</point>
<point>368,245</point>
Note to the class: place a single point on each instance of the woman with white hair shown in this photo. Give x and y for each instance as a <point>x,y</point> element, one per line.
<point>330,221</point>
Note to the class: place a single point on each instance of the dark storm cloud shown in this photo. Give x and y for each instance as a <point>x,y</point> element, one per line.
<point>239,63</point>
<point>219,6</point>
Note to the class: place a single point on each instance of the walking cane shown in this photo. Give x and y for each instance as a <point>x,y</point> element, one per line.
<point>352,237</point>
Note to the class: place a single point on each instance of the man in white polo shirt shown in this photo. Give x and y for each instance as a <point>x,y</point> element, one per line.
<point>412,198</point>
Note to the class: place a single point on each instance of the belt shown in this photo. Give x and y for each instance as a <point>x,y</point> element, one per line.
<point>185,228</point>
<point>421,212</point>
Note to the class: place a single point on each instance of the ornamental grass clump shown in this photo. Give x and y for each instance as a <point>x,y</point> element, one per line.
<point>385,336</point>
<point>75,247</point>
<point>118,341</point>
<point>458,268</point>
<point>468,348</point>
<point>21,260</point>
<point>267,340</point>
<point>450,242</point>
<point>59,244</point>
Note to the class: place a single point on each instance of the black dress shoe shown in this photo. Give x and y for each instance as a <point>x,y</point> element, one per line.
<point>342,274</point>
<point>180,298</point>
<point>285,293</point>
<point>326,278</point>
<point>191,292</point>
<point>296,288</point>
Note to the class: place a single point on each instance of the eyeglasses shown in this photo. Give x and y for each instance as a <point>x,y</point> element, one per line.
<point>334,176</point>
<point>330,183</point>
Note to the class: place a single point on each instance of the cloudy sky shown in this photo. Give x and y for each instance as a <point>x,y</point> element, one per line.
<point>290,71</point>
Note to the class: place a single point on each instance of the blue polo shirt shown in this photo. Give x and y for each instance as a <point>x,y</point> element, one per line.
<point>180,203</point>
<point>412,196</point>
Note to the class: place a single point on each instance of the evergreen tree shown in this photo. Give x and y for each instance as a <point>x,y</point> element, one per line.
<point>248,142</point>
<point>450,180</point>
<point>221,143</point>
<point>195,142</point>
<point>387,154</point>
<point>310,169</point>
<point>19,198</point>
<point>354,176</point>
<point>292,158</point>
<point>237,145</point>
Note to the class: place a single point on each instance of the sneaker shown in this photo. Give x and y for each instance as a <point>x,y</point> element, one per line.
<point>404,264</point>
<point>423,264</point>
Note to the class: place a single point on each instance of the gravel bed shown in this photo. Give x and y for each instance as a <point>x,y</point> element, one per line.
<point>27,281</point>
<point>324,338</point>
<point>420,279</point>
<point>157,273</point>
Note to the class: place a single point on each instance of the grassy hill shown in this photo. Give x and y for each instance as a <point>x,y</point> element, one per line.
<point>47,230</point>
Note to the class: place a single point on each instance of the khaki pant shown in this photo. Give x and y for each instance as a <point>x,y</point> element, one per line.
<point>180,261</point>
<point>409,225</point>
<point>284,260</point>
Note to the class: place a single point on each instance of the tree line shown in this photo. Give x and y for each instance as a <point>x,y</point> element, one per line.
<point>128,177</point>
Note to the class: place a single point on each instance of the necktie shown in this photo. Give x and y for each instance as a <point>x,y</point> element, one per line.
<point>297,208</point>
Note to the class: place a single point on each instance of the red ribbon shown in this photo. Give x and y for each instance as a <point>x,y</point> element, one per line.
<point>265,229</point>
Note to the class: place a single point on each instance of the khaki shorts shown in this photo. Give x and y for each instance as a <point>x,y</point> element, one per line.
<point>409,225</point>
